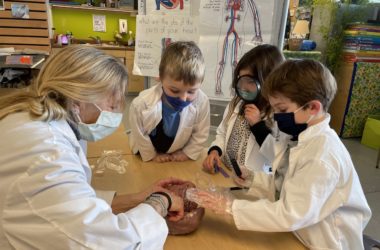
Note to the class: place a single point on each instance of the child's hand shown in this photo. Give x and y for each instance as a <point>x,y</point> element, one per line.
<point>210,161</point>
<point>245,180</point>
<point>160,158</point>
<point>252,114</point>
<point>179,155</point>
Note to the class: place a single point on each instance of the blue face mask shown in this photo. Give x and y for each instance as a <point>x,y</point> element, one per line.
<point>287,124</point>
<point>105,125</point>
<point>176,102</point>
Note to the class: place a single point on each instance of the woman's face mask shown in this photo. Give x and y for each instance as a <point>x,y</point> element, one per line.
<point>286,123</point>
<point>105,125</point>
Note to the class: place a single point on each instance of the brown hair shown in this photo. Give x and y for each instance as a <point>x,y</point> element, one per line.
<point>302,81</point>
<point>183,61</point>
<point>260,60</point>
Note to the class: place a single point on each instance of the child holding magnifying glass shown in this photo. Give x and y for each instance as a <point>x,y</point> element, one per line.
<point>235,141</point>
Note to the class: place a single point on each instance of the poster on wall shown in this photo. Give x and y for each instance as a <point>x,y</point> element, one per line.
<point>99,23</point>
<point>234,27</point>
<point>155,32</point>
<point>176,7</point>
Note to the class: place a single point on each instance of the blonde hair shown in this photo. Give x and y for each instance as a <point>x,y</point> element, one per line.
<point>76,73</point>
<point>183,61</point>
<point>302,81</point>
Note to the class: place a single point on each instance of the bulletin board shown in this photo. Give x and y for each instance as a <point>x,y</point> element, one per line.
<point>224,31</point>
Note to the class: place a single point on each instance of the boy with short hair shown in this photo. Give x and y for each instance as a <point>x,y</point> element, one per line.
<point>313,190</point>
<point>170,121</point>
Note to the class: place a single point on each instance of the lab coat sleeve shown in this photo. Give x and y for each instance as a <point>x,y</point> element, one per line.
<point>267,148</point>
<point>221,132</point>
<point>139,140</point>
<point>305,200</point>
<point>66,210</point>
<point>262,186</point>
<point>200,131</point>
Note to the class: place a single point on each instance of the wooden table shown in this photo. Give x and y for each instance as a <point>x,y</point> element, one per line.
<point>216,231</point>
<point>116,141</point>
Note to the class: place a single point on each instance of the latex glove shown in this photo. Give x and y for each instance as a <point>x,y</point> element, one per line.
<point>161,158</point>
<point>219,201</point>
<point>252,114</point>
<point>160,185</point>
<point>179,155</point>
<point>246,178</point>
<point>210,161</point>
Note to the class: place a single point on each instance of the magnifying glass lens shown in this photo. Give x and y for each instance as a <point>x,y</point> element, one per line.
<point>248,88</point>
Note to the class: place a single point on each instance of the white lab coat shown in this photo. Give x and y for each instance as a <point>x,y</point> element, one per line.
<point>146,113</point>
<point>254,160</point>
<point>47,201</point>
<point>321,201</point>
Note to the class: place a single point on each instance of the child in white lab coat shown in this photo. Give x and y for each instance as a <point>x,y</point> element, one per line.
<point>170,121</point>
<point>234,136</point>
<point>314,190</point>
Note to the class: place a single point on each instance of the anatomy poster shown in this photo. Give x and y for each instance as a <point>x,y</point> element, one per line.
<point>178,7</point>
<point>155,32</point>
<point>228,29</point>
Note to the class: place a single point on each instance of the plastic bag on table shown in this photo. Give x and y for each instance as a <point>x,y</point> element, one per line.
<point>111,159</point>
<point>208,195</point>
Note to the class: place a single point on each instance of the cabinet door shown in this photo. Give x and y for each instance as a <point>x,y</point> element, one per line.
<point>135,83</point>
<point>119,54</point>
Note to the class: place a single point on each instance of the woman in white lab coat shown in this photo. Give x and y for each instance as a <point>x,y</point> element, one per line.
<point>46,198</point>
<point>234,135</point>
<point>314,190</point>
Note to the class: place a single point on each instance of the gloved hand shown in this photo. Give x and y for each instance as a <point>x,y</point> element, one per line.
<point>219,201</point>
<point>246,178</point>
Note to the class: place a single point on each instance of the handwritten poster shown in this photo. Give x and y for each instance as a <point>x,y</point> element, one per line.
<point>155,32</point>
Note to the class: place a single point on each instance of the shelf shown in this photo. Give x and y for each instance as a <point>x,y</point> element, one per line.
<point>91,8</point>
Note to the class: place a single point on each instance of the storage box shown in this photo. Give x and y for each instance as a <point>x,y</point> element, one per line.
<point>295,44</point>
<point>371,133</point>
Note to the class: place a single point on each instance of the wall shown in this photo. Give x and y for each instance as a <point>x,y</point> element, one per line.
<point>79,22</point>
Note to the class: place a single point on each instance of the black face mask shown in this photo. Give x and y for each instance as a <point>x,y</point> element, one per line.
<point>287,124</point>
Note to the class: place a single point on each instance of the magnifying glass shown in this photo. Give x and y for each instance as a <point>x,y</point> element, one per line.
<point>248,88</point>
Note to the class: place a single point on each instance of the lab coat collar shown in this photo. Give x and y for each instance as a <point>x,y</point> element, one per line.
<point>64,127</point>
<point>238,107</point>
<point>314,130</point>
<point>74,128</point>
